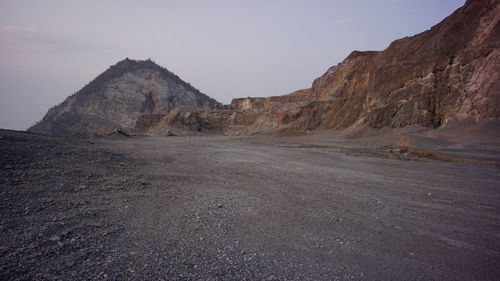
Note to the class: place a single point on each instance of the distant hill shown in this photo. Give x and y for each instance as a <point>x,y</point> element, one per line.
<point>128,92</point>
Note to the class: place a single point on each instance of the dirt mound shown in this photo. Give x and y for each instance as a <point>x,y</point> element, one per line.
<point>113,132</point>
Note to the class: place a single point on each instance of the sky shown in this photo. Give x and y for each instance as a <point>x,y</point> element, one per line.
<point>50,49</point>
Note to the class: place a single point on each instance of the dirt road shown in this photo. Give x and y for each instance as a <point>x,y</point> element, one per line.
<point>220,208</point>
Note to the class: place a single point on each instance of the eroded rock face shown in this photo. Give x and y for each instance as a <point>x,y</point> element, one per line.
<point>132,95</point>
<point>450,72</point>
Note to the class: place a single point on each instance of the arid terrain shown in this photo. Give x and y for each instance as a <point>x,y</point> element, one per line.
<point>386,168</point>
<point>238,208</point>
<point>448,73</point>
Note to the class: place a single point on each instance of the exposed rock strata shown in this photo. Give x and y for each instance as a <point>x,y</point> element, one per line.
<point>450,72</point>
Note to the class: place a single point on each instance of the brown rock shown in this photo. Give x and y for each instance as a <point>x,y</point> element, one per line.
<point>450,72</point>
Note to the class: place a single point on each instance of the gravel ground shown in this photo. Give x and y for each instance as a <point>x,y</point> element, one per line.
<point>220,208</point>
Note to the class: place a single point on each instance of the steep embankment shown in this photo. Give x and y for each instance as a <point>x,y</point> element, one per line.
<point>131,94</point>
<point>450,72</point>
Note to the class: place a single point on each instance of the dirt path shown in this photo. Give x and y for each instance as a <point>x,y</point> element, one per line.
<point>219,208</point>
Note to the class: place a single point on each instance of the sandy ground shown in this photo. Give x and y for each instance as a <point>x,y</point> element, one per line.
<point>262,208</point>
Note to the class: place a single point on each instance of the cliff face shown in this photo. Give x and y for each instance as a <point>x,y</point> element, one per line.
<point>128,95</point>
<point>450,72</point>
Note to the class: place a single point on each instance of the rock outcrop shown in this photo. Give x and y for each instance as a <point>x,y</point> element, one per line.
<point>131,95</point>
<point>450,72</point>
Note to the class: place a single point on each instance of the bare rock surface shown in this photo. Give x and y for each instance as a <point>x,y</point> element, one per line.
<point>255,208</point>
<point>448,73</point>
<point>129,95</point>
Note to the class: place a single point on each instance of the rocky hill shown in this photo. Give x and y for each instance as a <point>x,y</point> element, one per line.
<point>130,95</point>
<point>450,72</point>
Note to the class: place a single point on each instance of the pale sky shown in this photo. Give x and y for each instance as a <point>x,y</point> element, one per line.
<point>50,49</point>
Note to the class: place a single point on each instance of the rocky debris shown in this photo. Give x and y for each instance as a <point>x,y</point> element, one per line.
<point>403,145</point>
<point>55,238</point>
<point>53,197</point>
<point>169,133</point>
<point>117,132</point>
<point>192,120</point>
<point>147,121</point>
<point>130,94</point>
<point>223,208</point>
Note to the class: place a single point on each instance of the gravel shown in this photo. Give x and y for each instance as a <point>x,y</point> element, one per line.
<point>220,208</point>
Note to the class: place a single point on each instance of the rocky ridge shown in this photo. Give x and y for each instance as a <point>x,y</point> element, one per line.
<point>448,73</point>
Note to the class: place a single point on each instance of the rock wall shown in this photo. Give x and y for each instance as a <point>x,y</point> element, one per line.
<point>450,72</point>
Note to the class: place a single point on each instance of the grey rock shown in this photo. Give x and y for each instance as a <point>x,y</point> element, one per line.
<point>170,133</point>
<point>55,238</point>
<point>118,97</point>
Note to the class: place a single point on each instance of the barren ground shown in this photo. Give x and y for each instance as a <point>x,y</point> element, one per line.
<point>220,208</point>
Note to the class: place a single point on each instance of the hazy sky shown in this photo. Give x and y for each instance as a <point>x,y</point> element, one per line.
<point>50,49</point>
